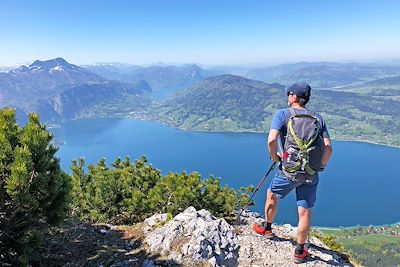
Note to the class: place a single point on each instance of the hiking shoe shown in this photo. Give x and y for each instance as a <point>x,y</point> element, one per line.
<point>300,258</point>
<point>260,229</point>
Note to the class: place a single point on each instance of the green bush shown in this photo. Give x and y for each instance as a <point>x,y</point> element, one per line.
<point>175,192</point>
<point>117,194</point>
<point>332,243</point>
<point>34,190</point>
<point>129,192</point>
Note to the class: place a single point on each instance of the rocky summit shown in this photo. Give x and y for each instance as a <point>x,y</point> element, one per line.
<point>190,239</point>
<point>197,238</point>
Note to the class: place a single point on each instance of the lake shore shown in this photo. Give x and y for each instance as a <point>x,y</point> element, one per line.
<point>354,226</point>
<point>171,124</point>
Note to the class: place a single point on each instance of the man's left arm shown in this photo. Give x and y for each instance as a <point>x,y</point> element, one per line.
<point>328,150</point>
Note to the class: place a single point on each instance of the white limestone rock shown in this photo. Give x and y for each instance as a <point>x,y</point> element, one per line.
<point>197,235</point>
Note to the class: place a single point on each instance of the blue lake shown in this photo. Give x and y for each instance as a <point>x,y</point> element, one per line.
<point>360,186</point>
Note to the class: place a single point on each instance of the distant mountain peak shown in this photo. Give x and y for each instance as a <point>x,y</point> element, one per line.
<point>232,83</point>
<point>51,64</point>
<point>22,68</point>
<point>59,61</point>
<point>229,78</point>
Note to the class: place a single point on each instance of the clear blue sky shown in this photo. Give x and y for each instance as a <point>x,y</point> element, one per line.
<point>217,32</point>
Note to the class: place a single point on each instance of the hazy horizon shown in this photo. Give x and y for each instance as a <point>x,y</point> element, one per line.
<point>394,61</point>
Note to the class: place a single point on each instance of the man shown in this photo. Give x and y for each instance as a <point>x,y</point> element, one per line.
<point>298,96</point>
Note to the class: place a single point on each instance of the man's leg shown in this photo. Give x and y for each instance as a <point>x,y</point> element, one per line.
<point>280,186</point>
<point>306,196</point>
<point>270,212</point>
<point>303,228</point>
<point>271,207</point>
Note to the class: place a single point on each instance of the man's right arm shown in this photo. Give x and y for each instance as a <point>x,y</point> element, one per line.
<point>272,145</point>
<point>273,136</point>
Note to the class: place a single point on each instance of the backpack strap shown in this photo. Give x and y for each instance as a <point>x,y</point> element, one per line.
<point>299,142</point>
<point>292,112</point>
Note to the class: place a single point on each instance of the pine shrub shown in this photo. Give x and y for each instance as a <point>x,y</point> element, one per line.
<point>34,190</point>
<point>128,192</point>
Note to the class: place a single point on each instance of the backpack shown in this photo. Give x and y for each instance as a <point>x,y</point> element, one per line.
<point>303,147</point>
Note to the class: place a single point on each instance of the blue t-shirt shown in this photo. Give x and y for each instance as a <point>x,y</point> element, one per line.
<point>281,119</point>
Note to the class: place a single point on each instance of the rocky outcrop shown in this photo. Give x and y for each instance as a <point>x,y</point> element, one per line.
<point>195,236</point>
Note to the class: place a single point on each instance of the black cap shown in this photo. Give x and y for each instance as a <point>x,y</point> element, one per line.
<point>301,89</point>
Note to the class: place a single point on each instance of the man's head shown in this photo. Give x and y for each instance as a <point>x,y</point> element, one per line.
<point>299,92</point>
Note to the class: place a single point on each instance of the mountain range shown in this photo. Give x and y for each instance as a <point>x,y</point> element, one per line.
<point>59,90</point>
<point>158,76</point>
<point>324,74</point>
<point>321,75</point>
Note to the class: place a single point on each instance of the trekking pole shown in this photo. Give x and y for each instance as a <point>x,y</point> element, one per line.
<point>255,191</point>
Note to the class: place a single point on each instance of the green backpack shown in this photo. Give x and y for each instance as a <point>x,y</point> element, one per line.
<point>303,147</point>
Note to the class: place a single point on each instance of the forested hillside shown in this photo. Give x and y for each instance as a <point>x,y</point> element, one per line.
<point>234,103</point>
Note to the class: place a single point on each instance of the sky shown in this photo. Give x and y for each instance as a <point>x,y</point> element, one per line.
<point>208,32</point>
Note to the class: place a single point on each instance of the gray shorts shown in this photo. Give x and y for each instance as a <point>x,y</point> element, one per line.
<point>306,193</point>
